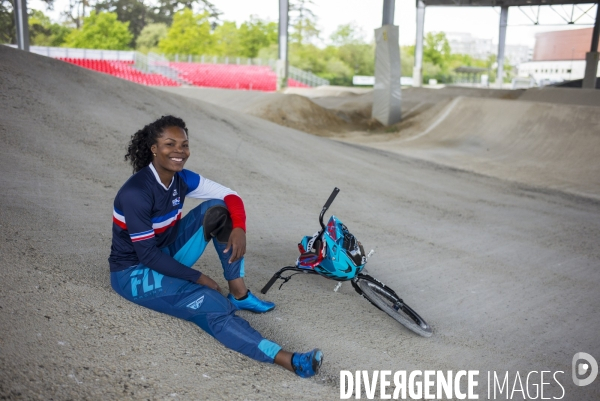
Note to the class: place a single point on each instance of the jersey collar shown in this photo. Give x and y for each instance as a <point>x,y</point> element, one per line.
<point>158,178</point>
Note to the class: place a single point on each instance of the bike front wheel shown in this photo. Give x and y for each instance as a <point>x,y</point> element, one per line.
<point>384,298</point>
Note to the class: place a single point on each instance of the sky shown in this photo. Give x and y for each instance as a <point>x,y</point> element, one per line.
<point>480,22</point>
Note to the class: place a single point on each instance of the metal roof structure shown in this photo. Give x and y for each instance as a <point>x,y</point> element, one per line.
<point>501,3</point>
<point>591,57</point>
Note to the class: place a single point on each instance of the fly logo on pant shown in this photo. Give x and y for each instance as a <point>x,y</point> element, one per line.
<point>196,304</point>
<point>140,277</point>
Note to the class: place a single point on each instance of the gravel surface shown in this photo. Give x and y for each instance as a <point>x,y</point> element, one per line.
<point>507,274</point>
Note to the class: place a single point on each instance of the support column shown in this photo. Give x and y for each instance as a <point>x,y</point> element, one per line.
<point>591,58</point>
<point>418,68</point>
<point>22,24</point>
<point>501,45</point>
<point>388,12</point>
<point>387,90</point>
<point>282,62</point>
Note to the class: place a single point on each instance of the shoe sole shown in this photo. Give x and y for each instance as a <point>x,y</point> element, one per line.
<point>249,310</point>
<point>268,310</point>
<point>317,362</point>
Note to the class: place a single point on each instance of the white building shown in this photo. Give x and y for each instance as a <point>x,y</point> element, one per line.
<point>465,43</point>
<point>547,72</point>
<point>558,56</point>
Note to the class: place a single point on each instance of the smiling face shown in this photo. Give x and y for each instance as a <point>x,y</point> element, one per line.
<point>172,151</point>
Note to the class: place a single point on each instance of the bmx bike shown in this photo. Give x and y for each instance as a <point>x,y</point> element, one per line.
<point>333,252</point>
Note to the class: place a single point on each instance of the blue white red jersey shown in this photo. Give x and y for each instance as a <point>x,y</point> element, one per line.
<point>146,214</point>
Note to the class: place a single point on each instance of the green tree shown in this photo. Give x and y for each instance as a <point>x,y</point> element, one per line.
<point>440,63</point>
<point>303,22</point>
<point>150,36</point>
<point>7,21</point>
<point>436,49</point>
<point>189,34</point>
<point>353,50</point>
<point>347,34</point>
<point>134,12</point>
<point>337,72</point>
<point>165,10</point>
<point>227,39</point>
<point>308,57</point>
<point>360,58</point>
<point>407,60</point>
<point>271,52</point>
<point>101,31</point>
<point>324,63</point>
<point>76,11</point>
<point>255,35</point>
<point>42,32</point>
<point>437,58</point>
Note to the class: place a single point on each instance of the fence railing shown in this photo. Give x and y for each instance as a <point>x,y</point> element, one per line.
<point>155,64</point>
<point>305,77</point>
<point>192,58</point>
<point>92,54</point>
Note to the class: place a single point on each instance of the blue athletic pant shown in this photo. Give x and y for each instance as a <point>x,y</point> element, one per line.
<point>194,302</point>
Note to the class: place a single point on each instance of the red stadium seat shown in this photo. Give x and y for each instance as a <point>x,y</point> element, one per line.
<point>123,70</point>
<point>229,76</point>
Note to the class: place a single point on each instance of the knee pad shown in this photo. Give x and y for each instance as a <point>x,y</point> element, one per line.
<point>217,223</point>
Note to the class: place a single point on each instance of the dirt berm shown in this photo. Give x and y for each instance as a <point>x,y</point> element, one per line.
<point>507,274</point>
<point>289,110</point>
<point>540,144</point>
<point>548,138</point>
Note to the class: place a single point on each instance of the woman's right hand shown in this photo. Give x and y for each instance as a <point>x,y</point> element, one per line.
<point>209,282</point>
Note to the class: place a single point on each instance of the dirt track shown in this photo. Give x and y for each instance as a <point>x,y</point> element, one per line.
<point>506,273</point>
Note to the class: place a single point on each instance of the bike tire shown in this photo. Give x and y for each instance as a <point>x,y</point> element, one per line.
<point>384,298</point>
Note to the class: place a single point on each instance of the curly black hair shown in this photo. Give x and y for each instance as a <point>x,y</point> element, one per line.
<point>138,151</point>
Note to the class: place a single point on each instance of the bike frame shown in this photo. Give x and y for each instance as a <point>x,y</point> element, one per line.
<point>377,293</point>
<point>319,245</point>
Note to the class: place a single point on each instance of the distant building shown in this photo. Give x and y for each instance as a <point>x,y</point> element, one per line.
<point>517,54</point>
<point>558,56</point>
<point>465,43</point>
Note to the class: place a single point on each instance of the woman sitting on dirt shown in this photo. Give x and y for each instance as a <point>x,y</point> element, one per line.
<point>153,248</point>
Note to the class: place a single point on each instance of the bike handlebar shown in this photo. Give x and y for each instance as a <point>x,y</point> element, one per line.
<point>269,284</point>
<point>325,207</point>
<point>331,198</point>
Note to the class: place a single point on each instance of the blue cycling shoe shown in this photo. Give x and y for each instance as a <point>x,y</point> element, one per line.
<point>251,303</point>
<point>307,364</point>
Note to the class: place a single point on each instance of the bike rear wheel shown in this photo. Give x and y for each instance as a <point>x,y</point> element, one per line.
<point>384,298</point>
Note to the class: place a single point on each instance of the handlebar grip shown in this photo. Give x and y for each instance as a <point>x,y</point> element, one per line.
<point>269,284</point>
<point>331,198</point>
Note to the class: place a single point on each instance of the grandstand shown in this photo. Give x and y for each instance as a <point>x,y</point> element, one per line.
<point>123,70</point>
<point>230,76</point>
<point>155,70</point>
